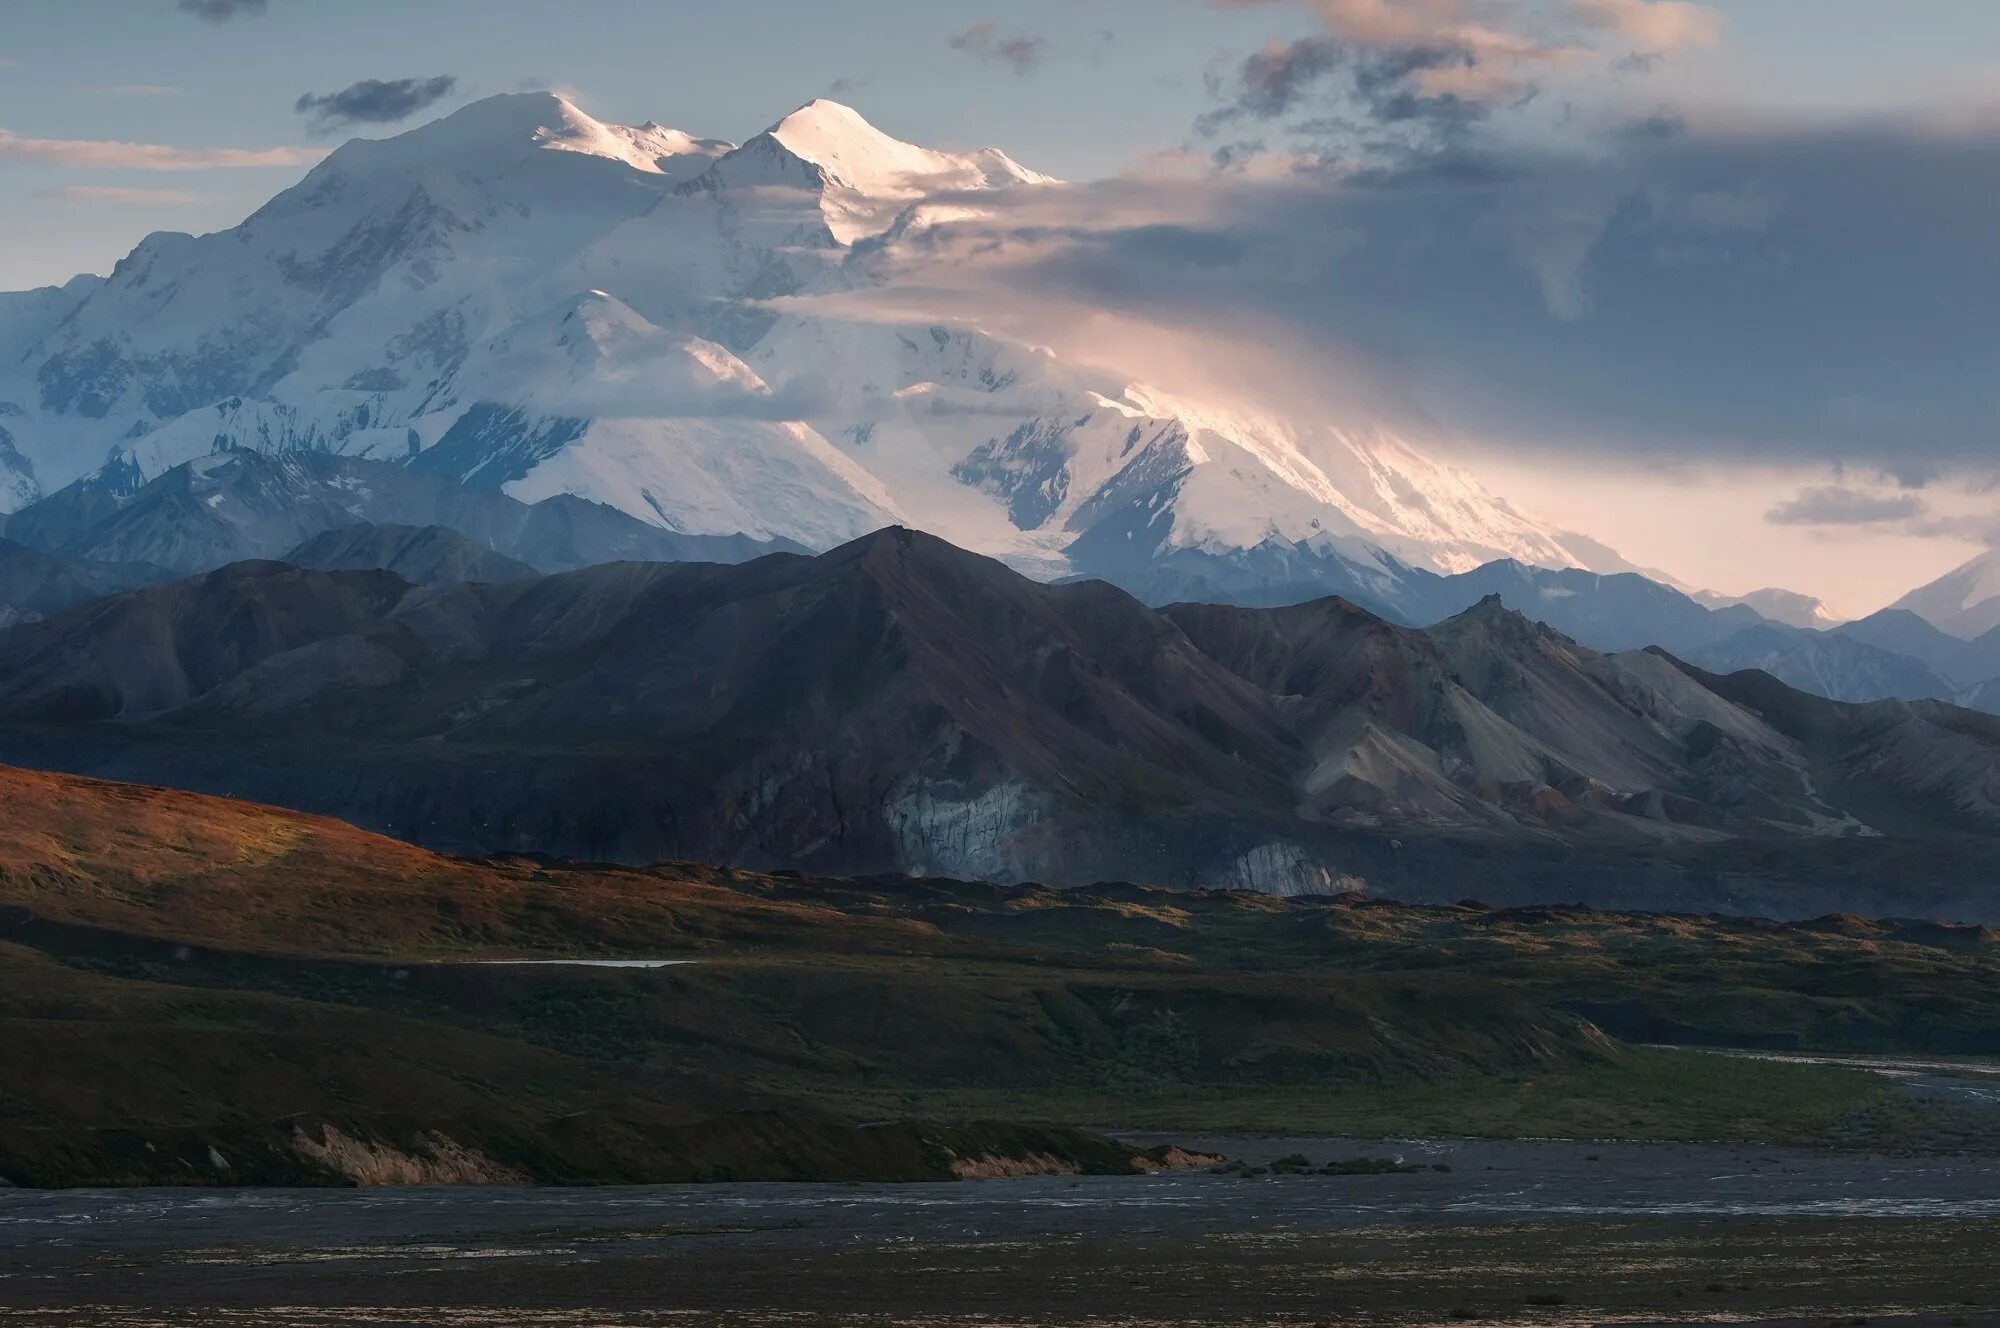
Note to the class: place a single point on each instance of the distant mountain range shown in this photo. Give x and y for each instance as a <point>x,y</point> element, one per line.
<point>35,584</point>
<point>1891,655</point>
<point>423,555</point>
<point>901,704</point>
<point>332,512</point>
<point>233,505</point>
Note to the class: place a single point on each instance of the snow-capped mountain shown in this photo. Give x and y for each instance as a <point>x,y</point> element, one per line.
<point>1964,601</point>
<point>1789,607</point>
<point>522,298</point>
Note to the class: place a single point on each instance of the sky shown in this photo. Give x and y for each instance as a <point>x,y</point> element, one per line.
<point>1712,282</point>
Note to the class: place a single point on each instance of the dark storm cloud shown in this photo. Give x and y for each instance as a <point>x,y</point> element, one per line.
<point>1838,505</point>
<point>374,101</point>
<point>1784,295</point>
<point>1371,107</point>
<point>984,40</point>
<point>221,11</point>
<point>1395,80</point>
<point>1272,82</point>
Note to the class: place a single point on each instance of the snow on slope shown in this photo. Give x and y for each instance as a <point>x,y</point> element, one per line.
<point>871,177</point>
<point>667,427</point>
<point>1789,607</point>
<point>364,281</point>
<point>856,154</point>
<point>1964,601</point>
<point>525,298</point>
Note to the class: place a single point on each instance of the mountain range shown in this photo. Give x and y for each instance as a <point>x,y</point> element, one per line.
<point>534,304</point>
<point>332,512</point>
<point>35,584</point>
<point>527,482</point>
<point>899,704</point>
<point>232,505</point>
<point>528,301</point>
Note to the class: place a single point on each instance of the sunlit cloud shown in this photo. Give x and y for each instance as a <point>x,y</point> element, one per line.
<point>1794,296</point>
<point>113,154</point>
<point>121,194</point>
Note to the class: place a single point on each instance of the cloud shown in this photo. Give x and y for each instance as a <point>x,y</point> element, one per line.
<point>1839,505</point>
<point>1387,80</point>
<point>128,194</point>
<point>669,395</point>
<point>1508,27</point>
<point>1275,79</point>
<point>221,11</point>
<point>374,101</point>
<point>110,154</point>
<point>1978,529</point>
<point>1651,25</point>
<point>842,87</point>
<point>984,41</point>
<point>1734,293</point>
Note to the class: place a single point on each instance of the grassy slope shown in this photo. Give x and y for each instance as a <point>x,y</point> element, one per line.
<point>164,942</point>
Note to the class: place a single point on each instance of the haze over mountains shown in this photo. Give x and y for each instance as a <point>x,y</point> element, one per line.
<point>228,506</point>
<point>328,511</point>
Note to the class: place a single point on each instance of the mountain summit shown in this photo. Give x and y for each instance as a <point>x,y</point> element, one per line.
<point>856,154</point>
<point>513,121</point>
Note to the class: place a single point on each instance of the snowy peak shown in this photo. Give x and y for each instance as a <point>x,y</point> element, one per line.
<point>669,150</point>
<point>1781,606</point>
<point>1964,601</point>
<point>854,153</point>
<point>510,124</point>
<point>857,159</point>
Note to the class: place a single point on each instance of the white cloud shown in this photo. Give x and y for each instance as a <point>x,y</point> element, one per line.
<point>112,193</point>
<point>112,154</point>
<point>1654,25</point>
